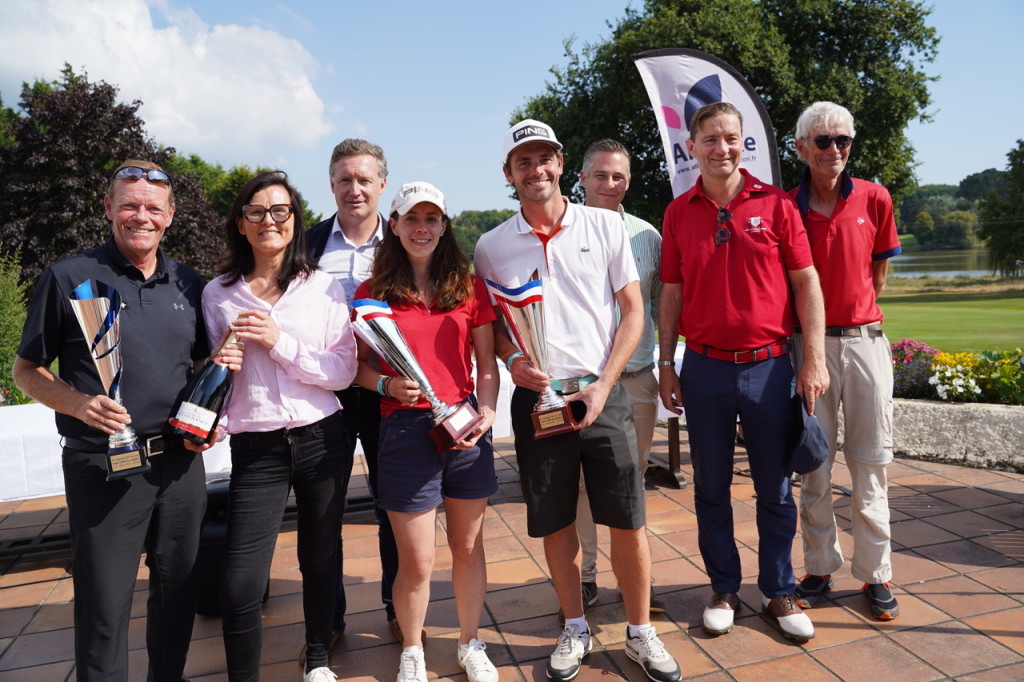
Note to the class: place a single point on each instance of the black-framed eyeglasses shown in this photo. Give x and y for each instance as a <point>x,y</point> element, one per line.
<point>278,212</point>
<point>723,234</point>
<point>825,141</point>
<point>136,173</point>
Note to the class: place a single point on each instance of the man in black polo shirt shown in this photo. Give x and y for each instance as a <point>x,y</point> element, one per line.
<point>112,522</point>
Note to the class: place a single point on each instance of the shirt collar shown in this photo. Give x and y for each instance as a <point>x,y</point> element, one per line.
<point>118,259</point>
<point>750,185</point>
<point>378,234</point>
<point>803,193</point>
<point>523,227</point>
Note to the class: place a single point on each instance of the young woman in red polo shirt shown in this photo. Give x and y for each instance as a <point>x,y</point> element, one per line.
<point>445,315</point>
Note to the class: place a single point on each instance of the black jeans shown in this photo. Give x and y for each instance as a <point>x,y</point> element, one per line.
<point>315,461</point>
<point>112,523</point>
<point>361,410</point>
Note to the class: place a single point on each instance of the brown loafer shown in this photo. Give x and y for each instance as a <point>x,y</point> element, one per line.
<point>396,632</point>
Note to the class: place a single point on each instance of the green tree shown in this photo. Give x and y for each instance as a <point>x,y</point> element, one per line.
<point>12,319</point>
<point>863,54</point>
<point>924,229</point>
<point>1002,215</point>
<point>469,225</point>
<point>956,230</point>
<point>58,153</point>
<point>977,186</point>
<point>914,201</point>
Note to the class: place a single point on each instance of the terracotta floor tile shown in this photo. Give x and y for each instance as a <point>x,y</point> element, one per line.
<point>966,556</point>
<point>24,595</point>
<point>916,532</point>
<point>677,574</point>
<point>955,649</point>
<point>684,543</point>
<point>39,648</point>
<point>914,611</point>
<point>847,661</point>
<point>51,617</point>
<point>909,566</point>
<point>361,570</point>
<point>1009,544</point>
<point>671,522</point>
<point>504,574</point>
<point>1003,626</point>
<point>752,640</point>
<point>1011,488</point>
<point>1012,514</point>
<point>918,504</point>
<point>15,619</point>
<point>970,498</point>
<point>50,502</point>
<point>835,625</point>
<point>28,518</point>
<point>1009,580</point>
<point>30,570</point>
<point>968,524</point>
<point>692,661</point>
<point>795,667</point>
<point>960,596</point>
<point>366,527</point>
<point>1012,672</point>
<point>974,478</point>
<point>523,603</point>
<point>52,671</point>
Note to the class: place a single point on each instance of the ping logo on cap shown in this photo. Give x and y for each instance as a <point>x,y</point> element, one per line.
<point>530,131</point>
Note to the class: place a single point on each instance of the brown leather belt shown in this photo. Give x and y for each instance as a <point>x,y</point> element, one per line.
<point>741,357</point>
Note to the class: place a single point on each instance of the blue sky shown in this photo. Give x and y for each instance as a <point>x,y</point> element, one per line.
<point>268,83</point>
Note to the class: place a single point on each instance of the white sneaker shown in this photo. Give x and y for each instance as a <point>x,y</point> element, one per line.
<point>573,646</point>
<point>649,651</point>
<point>473,659</point>
<point>411,666</point>
<point>322,674</point>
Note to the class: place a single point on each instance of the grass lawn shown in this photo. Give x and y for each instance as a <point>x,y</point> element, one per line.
<point>955,321</point>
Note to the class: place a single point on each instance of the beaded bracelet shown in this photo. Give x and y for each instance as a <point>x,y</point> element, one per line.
<point>511,358</point>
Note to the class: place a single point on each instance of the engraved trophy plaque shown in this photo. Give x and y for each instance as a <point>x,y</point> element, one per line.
<point>523,310</point>
<point>375,324</point>
<point>98,307</point>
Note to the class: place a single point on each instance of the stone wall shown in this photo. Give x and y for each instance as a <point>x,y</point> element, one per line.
<point>971,434</point>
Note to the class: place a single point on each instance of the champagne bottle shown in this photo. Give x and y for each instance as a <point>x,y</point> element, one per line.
<point>204,400</point>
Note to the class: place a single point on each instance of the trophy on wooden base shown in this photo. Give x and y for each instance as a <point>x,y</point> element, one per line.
<point>98,308</point>
<point>376,325</point>
<point>523,309</point>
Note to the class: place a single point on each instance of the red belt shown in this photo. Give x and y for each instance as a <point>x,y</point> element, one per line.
<point>741,357</point>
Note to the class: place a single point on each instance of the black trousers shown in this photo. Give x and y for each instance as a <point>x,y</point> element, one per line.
<point>111,523</point>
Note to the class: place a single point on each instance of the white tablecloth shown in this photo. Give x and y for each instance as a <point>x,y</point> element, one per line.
<point>30,448</point>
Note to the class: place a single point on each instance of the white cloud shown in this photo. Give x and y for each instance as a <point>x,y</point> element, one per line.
<point>230,93</point>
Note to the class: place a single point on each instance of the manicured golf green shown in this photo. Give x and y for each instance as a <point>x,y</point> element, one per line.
<point>956,321</point>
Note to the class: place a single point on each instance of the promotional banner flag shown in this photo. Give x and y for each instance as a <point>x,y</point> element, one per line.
<point>680,81</point>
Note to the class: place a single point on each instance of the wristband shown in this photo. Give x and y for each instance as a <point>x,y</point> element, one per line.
<point>511,358</point>
<point>380,385</point>
<point>666,363</point>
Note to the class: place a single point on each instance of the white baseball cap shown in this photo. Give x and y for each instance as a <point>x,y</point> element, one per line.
<point>412,193</point>
<point>529,130</point>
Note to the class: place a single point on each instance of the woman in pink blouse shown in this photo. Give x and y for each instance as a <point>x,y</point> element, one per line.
<point>445,315</point>
<point>284,419</point>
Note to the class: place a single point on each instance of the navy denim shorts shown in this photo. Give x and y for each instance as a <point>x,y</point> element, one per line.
<point>412,477</point>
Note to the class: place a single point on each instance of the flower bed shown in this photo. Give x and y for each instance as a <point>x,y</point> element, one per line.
<point>920,371</point>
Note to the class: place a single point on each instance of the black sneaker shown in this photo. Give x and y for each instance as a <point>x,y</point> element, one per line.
<point>589,594</point>
<point>811,589</point>
<point>882,600</point>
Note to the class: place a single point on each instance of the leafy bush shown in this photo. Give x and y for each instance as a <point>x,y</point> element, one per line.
<point>1001,376</point>
<point>12,319</point>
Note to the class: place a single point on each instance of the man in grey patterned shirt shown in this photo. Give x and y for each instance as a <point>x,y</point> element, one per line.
<point>605,179</point>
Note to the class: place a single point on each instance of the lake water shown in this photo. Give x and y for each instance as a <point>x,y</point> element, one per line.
<point>969,263</point>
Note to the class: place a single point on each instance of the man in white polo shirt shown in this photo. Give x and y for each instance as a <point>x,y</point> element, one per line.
<point>585,264</point>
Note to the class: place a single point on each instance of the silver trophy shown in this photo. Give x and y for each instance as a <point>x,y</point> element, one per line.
<point>376,325</point>
<point>97,307</point>
<point>523,310</point>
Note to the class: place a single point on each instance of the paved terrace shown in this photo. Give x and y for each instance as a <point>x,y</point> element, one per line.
<point>958,551</point>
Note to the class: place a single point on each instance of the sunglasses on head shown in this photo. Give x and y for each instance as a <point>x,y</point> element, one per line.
<point>825,141</point>
<point>136,173</point>
<point>722,234</point>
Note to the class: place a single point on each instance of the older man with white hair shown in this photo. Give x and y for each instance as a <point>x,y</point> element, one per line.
<point>852,234</point>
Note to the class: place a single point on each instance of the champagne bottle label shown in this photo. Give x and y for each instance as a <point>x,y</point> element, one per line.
<point>194,419</point>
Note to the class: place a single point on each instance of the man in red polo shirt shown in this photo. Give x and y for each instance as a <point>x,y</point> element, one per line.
<point>852,234</point>
<point>733,249</point>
